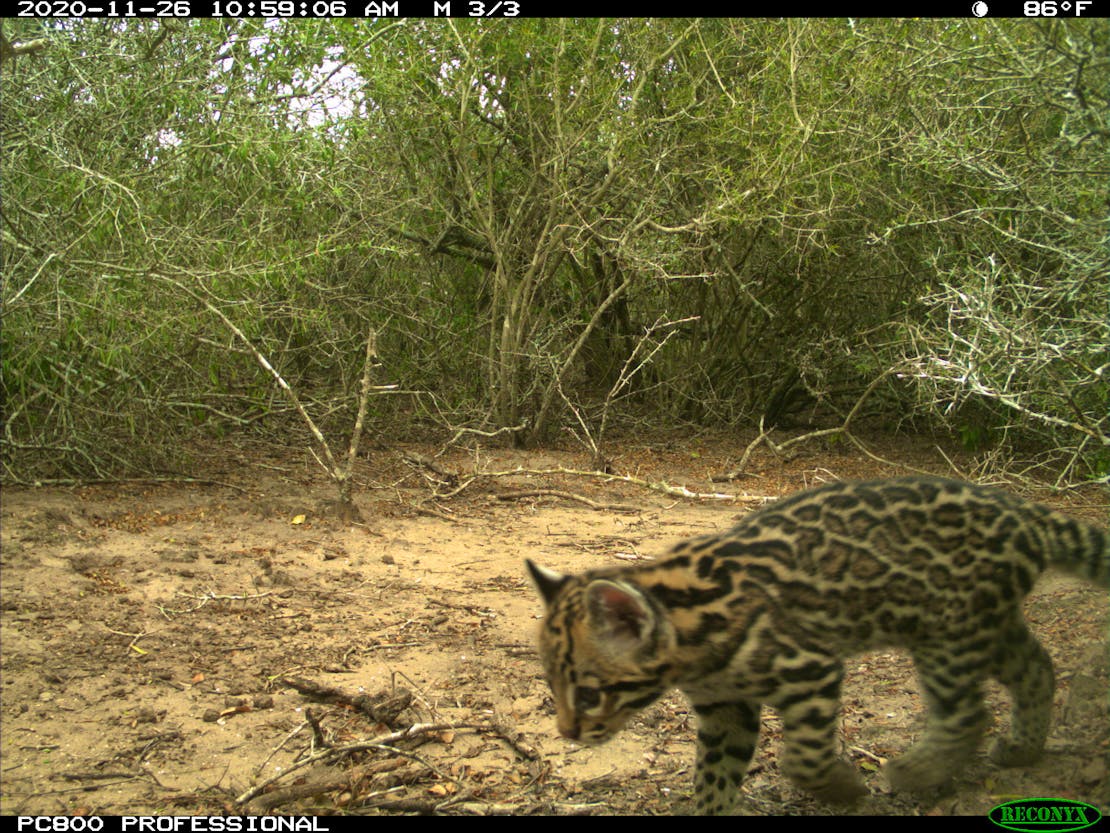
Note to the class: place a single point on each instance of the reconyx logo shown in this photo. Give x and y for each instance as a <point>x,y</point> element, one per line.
<point>1044,814</point>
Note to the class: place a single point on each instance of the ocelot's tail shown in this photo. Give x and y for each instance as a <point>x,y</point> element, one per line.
<point>1080,548</point>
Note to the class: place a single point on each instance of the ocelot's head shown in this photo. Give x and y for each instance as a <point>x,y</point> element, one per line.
<point>602,643</point>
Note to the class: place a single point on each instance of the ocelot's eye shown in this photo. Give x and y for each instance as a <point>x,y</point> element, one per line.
<point>586,698</point>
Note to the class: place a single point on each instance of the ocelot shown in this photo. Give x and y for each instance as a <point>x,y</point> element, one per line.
<point>768,611</point>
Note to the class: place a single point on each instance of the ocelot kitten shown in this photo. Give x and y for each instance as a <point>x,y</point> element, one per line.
<point>768,611</point>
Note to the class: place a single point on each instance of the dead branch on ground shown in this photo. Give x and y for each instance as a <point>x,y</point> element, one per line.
<point>527,493</point>
<point>386,743</point>
<point>383,707</point>
<point>608,477</point>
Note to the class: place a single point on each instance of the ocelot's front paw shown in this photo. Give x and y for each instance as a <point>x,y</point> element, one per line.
<point>841,785</point>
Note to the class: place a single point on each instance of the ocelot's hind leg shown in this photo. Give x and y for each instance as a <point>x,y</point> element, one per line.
<point>1024,667</point>
<point>955,724</point>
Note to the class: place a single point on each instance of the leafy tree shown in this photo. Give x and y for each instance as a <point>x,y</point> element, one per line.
<point>550,223</point>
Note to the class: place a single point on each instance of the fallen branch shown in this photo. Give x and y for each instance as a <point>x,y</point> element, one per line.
<point>383,707</point>
<point>438,476</point>
<point>285,795</point>
<point>205,598</point>
<point>386,742</point>
<point>614,507</point>
<point>608,477</point>
<point>485,613</point>
<point>431,511</point>
<point>738,471</point>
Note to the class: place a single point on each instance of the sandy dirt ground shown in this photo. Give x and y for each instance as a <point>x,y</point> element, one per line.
<point>234,646</point>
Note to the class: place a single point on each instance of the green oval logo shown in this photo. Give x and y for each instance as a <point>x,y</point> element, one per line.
<point>1033,815</point>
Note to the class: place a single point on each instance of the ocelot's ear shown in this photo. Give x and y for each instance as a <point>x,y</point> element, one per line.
<point>620,612</point>
<point>547,582</point>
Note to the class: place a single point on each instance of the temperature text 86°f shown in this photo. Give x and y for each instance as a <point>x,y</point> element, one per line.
<point>493,8</point>
<point>1056,8</point>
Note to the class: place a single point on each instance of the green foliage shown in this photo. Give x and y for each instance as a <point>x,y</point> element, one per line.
<point>974,437</point>
<point>523,207</point>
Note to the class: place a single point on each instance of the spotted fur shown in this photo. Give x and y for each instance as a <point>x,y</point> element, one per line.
<point>768,611</point>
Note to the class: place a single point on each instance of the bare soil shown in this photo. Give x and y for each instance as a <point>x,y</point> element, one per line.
<point>234,646</point>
